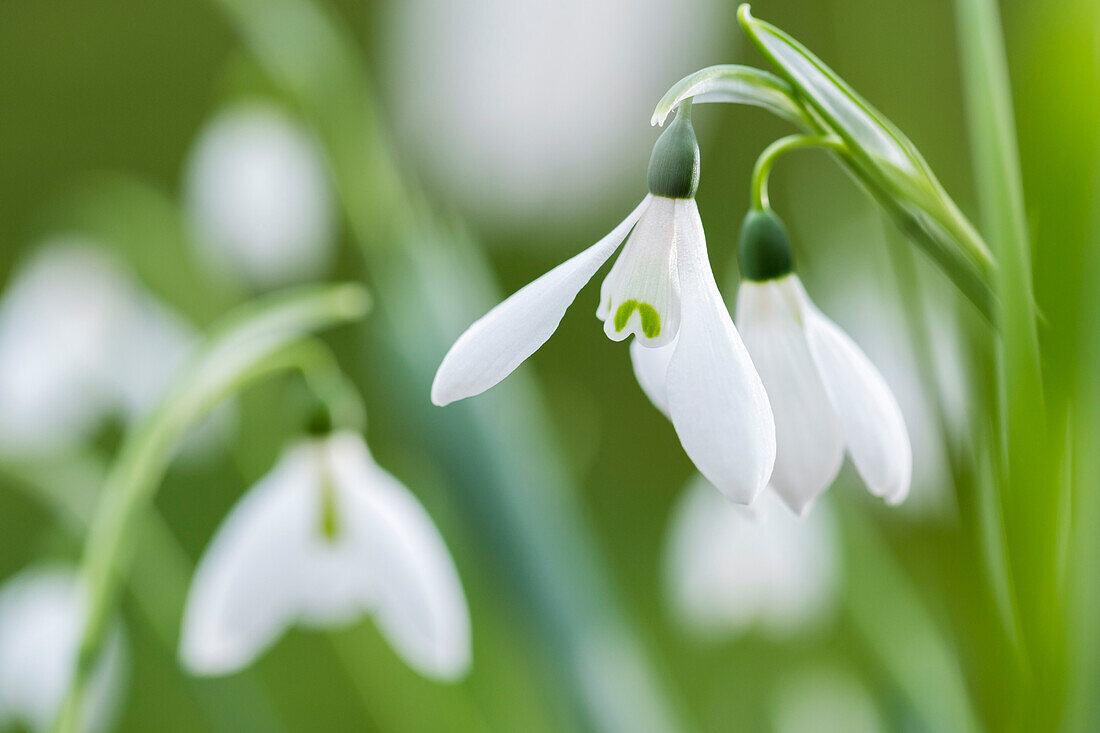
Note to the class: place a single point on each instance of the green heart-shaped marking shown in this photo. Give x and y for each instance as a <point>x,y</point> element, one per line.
<point>651,321</point>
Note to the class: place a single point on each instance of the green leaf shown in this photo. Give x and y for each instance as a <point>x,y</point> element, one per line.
<point>884,160</point>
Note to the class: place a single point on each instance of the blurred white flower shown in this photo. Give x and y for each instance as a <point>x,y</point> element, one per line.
<point>825,701</point>
<point>323,539</point>
<point>41,614</point>
<point>662,290</point>
<point>520,110</point>
<point>729,567</point>
<point>258,195</point>
<point>826,394</point>
<point>79,340</point>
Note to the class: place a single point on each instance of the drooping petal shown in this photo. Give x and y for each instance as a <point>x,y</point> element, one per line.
<point>41,612</point>
<point>641,294</point>
<point>651,370</point>
<point>728,567</point>
<point>874,430</point>
<point>809,446</point>
<point>420,605</point>
<point>716,399</point>
<point>504,337</point>
<point>269,566</point>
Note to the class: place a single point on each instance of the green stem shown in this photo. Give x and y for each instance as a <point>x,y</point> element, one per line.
<point>1029,492</point>
<point>259,340</point>
<point>763,168</point>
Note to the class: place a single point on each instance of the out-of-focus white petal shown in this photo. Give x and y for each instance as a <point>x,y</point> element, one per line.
<point>641,294</point>
<point>728,567</point>
<point>825,701</point>
<point>58,319</point>
<point>259,198</point>
<point>504,337</point>
<point>874,430</point>
<point>41,613</point>
<point>809,446</point>
<point>716,399</point>
<point>420,605</point>
<point>651,371</point>
<point>272,564</point>
<point>486,92</point>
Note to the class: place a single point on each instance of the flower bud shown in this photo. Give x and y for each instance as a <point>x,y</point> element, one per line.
<point>764,248</point>
<point>674,165</point>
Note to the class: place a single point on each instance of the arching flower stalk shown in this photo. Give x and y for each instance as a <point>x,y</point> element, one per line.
<point>662,290</point>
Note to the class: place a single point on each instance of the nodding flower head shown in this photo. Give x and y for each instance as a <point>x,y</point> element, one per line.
<point>662,291</point>
<point>825,394</point>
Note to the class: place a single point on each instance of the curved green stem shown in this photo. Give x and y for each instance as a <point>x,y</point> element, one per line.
<point>776,150</point>
<point>259,340</point>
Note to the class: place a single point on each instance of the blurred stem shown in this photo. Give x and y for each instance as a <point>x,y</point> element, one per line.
<point>258,340</point>
<point>763,168</point>
<point>1029,490</point>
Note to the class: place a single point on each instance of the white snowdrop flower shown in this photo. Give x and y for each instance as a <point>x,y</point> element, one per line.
<point>662,290</point>
<point>825,700</point>
<point>258,195</point>
<point>729,567</point>
<point>477,90</point>
<point>41,614</point>
<point>826,395</point>
<point>80,339</point>
<point>58,319</point>
<point>323,539</point>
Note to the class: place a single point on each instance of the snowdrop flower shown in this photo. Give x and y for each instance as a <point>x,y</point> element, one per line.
<point>259,198</point>
<point>729,567</point>
<point>41,612</point>
<point>323,539</point>
<point>825,393</point>
<point>80,340</point>
<point>660,290</point>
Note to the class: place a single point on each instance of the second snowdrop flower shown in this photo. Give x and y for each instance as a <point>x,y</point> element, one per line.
<point>825,393</point>
<point>662,291</point>
<point>325,538</point>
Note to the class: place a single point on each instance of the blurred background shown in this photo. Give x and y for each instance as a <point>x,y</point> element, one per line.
<point>161,162</point>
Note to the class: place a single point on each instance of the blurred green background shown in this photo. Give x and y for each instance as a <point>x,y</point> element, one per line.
<point>100,107</point>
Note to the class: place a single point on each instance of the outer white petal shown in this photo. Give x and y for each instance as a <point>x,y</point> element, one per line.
<point>420,605</point>
<point>874,429</point>
<point>504,337</point>
<point>651,370</point>
<point>270,566</point>
<point>644,275</point>
<point>728,567</point>
<point>41,611</point>
<point>809,446</point>
<point>716,399</point>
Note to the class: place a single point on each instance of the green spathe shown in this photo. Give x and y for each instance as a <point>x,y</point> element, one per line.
<point>764,248</point>
<point>674,165</point>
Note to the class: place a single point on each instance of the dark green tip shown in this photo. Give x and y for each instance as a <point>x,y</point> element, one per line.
<point>764,249</point>
<point>674,165</point>
<point>319,421</point>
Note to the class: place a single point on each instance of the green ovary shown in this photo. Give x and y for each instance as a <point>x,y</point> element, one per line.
<point>651,321</point>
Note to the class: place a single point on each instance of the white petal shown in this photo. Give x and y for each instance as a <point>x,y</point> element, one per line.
<point>641,294</point>
<point>874,429</point>
<point>809,446</point>
<point>504,337</point>
<point>651,371</point>
<point>716,399</point>
<point>258,196</point>
<point>41,612</point>
<point>729,567</point>
<point>420,605</point>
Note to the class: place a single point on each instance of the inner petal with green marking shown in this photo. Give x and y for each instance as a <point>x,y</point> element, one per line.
<point>641,294</point>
